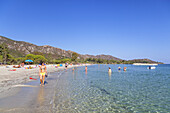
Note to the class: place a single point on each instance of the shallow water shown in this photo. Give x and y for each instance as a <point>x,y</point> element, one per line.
<point>136,90</point>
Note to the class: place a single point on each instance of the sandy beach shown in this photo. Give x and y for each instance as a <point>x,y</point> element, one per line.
<point>19,93</point>
<point>10,79</point>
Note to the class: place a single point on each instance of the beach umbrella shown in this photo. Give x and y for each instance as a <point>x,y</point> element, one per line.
<point>28,60</point>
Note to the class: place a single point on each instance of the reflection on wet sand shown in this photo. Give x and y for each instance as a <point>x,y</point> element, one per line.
<point>73,75</point>
<point>110,75</point>
<point>41,96</point>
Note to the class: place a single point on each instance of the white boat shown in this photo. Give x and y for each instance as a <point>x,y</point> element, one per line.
<point>151,67</point>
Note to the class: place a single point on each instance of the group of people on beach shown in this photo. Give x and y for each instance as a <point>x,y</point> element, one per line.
<point>119,68</point>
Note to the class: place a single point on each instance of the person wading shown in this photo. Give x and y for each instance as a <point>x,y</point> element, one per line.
<point>42,73</point>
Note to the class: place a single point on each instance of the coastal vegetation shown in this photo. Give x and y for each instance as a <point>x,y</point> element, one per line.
<point>7,58</point>
<point>15,52</point>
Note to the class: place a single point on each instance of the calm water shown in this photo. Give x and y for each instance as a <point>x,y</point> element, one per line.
<point>136,90</point>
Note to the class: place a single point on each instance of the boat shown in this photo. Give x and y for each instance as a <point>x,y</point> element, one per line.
<point>151,67</point>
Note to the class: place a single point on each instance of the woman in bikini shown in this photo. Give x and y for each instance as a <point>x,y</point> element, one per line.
<point>42,73</point>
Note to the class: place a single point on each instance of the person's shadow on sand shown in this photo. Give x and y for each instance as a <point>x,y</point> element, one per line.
<point>45,82</point>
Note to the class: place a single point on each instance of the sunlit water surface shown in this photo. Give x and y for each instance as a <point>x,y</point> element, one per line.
<point>136,90</point>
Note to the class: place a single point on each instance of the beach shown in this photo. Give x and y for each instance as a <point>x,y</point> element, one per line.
<point>11,78</point>
<point>21,94</point>
<point>135,90</point>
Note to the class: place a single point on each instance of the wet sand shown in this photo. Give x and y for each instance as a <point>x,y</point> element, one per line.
<point>30,97</point>
<point>10,79</point>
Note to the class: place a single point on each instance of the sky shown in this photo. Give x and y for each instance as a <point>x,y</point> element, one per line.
<point>127,29</point>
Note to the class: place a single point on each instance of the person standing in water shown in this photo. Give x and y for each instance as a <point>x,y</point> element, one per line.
<point>109,70</point>
<point>66,65</point>
<point>86,68</point>
<point>110,73</point>
<point>42,73</point>
<point>125,68</point>
<point>119,68</point>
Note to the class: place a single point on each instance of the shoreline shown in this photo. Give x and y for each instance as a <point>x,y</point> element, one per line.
<point>78,91</point>
<point>12,81</point>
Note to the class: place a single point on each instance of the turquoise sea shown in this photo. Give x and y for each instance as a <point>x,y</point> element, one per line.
<point>138,90</point>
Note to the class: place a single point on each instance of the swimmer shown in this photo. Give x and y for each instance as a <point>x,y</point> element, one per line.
<point>119,68</point>
<point>125,68</point>
<point>73,69</point>
<point>149,67</point>
<point>109,70</point>
<point>42,73</point>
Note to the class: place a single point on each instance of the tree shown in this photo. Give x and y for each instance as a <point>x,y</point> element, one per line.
<point>36,58</point>
<point>39,58</point>
<point>10,59</point>
<point>62,60</point>
<point>1,59</point>
<point>20,60</point>
<point>99,61</point>
<point>30,56</point>
<point>74,56</point>
<point>4,52</point>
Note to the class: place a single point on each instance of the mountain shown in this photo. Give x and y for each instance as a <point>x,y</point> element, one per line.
<point>106,57</point>
<point>21,49</point>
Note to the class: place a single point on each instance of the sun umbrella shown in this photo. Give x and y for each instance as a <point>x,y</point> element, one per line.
<point>28,60</point>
